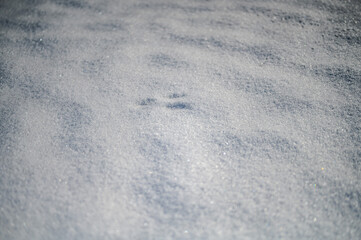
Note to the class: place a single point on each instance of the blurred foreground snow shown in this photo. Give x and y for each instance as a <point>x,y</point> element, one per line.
<point>180,119</point>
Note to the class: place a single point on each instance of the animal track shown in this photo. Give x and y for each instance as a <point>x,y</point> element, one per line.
<point>176,95</point>
<point>179,105</point>
<point>148,101</point>
<point>170,105</point>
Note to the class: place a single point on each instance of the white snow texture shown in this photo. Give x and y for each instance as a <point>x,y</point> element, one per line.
<point>188,119</point>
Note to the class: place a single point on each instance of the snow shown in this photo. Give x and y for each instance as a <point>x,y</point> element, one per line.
<point>180,119</point>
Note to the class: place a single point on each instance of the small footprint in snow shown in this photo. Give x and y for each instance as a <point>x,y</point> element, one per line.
<point>179,105</point>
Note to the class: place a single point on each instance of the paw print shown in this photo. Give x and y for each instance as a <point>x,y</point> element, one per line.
<point>173,102</point>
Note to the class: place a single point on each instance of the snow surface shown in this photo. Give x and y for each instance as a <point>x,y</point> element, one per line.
<point>180,119</point>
